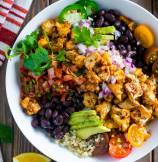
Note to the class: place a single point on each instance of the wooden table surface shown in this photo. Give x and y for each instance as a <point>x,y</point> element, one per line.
<point>20,143</point>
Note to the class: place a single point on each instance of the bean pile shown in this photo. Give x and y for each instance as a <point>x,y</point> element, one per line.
<point>126,42</point>
<point>54,114</point>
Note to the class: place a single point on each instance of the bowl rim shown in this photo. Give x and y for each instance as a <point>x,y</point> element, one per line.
<point>6,78</point>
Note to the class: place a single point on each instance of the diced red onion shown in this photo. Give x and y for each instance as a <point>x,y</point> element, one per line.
<point>2,57</point>
<point>117,34</point>
<point>85,23</point>
<point>51,73</point>
<point>82,48</point>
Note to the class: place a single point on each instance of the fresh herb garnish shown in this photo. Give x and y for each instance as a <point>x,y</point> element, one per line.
<point>25,46</point>
<point>37,62</point>
<point>61,56</point>
<point>6,134</point>
<point>80,72</point>
<point>85,36</point>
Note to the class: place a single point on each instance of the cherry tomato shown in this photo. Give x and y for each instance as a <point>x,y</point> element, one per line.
<point>137,135</point>
<point>119,147</point>
<point>155,68</point>
<point>151,55</point>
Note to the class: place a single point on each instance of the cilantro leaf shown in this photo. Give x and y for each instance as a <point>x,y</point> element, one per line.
<point>37,62</point>
<point>25,46</point>
<point>61,56</point>
<point>6,134</point>
<point>85,36</point>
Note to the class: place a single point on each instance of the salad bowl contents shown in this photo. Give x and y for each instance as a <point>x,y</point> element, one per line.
<point>89,80</point>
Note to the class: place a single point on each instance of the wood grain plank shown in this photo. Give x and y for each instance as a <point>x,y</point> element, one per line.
<point>5,115</point>
<point>144,3</point>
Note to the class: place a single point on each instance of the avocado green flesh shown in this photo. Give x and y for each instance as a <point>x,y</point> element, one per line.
<point>85,113</point>
<point>105,30</point>
<point>85,133</point>
<point>87,123</point>
<point>82,119</point>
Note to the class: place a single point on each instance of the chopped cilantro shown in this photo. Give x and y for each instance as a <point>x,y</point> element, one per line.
<point>80,72</point>
<point>85,36</point>
<point>61,56</point>
<point>37,62</point>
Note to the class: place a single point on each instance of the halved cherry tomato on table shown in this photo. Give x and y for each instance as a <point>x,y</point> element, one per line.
<point>151,55</point>
<point>137,135</point>
<point>73,13</point>
<point>119,147</point>
<point>144,34</point>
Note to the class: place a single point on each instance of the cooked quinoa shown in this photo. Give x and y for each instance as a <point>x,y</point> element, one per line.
<point>78,146</point>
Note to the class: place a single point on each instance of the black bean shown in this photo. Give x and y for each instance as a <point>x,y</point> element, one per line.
<point>67,103</point>
<point>35,122</point>
<point>139,64</point>
<point>100,21</point>
<point>114,12</point>
<point>129,48</point>
<point>48,113</point>
<point>141,50</point>
<point>121,47</point>
<point>105,24</point>
<point>95,17</point>
<point>48,105</point>
<point>117,23</point>
<point>129,35</point>
<point>65,129</point>
<point>123,53</point>
<point>70,110</point>
<point>123,39</point>
<point>45,123</point>
<point>55,114</point>
<point>102,12</point>
<point>41,112</point>
<point>110,17</point>
<point>122,28</point>
<point>59,135</point>
<point>134,48</point>
<point>133,42</point>
<point>58,120</point>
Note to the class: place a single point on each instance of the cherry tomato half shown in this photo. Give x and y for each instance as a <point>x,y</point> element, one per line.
<point>119,147</point>
<point>151,55</point>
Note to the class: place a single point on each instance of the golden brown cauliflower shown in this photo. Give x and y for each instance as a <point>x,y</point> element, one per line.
<point>104,75</point>
<point>58,44</point>
<point>103,109</point>
<point>91,60</point>
<point>133,90</point>
<point>117,90</point>
<point>92,77</point>
<point>89,99</point>
<point>30,105</point>
<point>109,123</point>
<point>120,76</point>
<point>121,117</point>
<point>48,27</point>
<point>63,29</point>
<point>127,104</point>
<point>79,61</point>
<point>106,59</point>
<point>91,87</point>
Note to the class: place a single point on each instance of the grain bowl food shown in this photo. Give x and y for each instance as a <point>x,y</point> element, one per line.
<point>90,75</point>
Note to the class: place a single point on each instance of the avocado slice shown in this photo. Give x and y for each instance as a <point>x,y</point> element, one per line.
<point>87,123</point>
<point>105,30</point>
<point>85,113</point>
<point>87,132</point>
<point>82,119</point>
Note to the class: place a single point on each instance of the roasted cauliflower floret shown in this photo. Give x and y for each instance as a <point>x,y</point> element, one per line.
<point>133,90</point>
<point>127,104</point>
<point>121,117</point>
<point>48,27</point>
<point>89,99</point>
<point>79,61</point>
<point>155,108</point>
<point>117,90</point>
<point>70,45</point>
<point>92,77</point>
<point>104,75</point>
<point>141,115</point>
<point>109,123</point>
<point>71,55</point>
<point>58,44</point>
<point>106,59</point>
<point>92,87</point>
<point>63,29</point>
<point>91,60</point>
<point>149,89</point>
<point>30,105</point>
<point>103,109</point>
<point>120,76</point>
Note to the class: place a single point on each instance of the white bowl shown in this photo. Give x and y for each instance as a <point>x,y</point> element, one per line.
<point>37,138</point>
